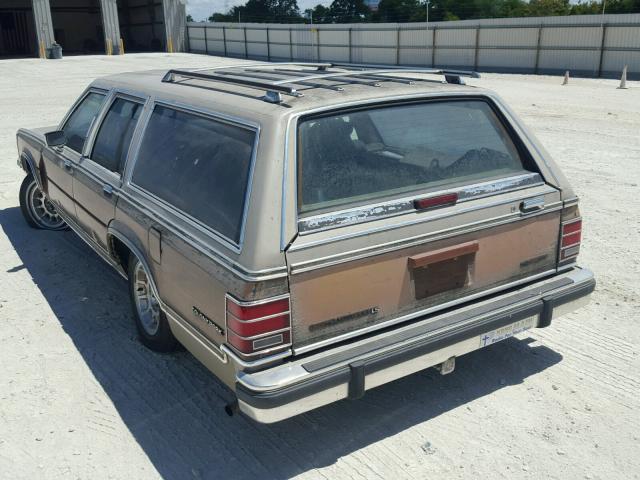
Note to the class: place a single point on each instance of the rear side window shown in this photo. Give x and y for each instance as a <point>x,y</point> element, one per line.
<point>114,137</point>
<point>382,152</point>
<point>198,165</point>
<point>78,123</point>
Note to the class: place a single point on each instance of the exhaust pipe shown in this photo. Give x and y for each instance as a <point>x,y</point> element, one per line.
<point>232,408</point>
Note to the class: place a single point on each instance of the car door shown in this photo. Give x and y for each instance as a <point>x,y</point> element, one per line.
<point>97,181</point>
<point>60,162</point>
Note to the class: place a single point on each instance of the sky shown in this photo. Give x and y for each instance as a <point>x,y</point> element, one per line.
<point>201,9</point>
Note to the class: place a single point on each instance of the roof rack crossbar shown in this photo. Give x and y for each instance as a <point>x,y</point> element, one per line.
<point>273,89</point>
<point>260,75</point>
<point>370,75</point>
<point>452,76</point>
<point>252,66</point>
<point>340,79</point>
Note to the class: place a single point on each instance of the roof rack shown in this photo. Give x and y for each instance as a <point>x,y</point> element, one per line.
<point>276,80</point>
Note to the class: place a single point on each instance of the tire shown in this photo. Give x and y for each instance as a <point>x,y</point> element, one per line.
<point>151,322</point>
<point>36,209</point>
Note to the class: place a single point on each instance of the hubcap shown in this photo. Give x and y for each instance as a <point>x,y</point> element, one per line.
<point>146,302</point>
<point>42,210</point>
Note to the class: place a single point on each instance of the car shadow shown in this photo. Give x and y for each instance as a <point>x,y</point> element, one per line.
<point>173,406</point>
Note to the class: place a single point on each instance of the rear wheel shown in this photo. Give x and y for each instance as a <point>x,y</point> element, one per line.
<point>151,321</point>
<point>36,208</point>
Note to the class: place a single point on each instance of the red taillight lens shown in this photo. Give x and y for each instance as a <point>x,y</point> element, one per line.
<point>254,327</point>
<point>445,200</point>
<point>260,310</point>
<point>571,237</point>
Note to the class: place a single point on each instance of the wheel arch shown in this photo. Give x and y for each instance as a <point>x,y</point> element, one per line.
<point>118,241</point>
<point>29,166</point>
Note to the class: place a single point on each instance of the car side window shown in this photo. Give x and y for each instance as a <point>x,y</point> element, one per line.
<point>77,125</point>
<point>115,133</point>
<point>198,165</point>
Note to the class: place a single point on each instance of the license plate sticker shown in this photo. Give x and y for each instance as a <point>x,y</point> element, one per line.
<point>508,331</point>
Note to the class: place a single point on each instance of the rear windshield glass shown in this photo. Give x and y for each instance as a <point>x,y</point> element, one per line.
<point>358,156</point>
<point>198,165</point>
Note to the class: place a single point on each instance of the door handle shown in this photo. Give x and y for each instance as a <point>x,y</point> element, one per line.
<point>68,166</point>
<point>531,205</point>
<point>107,190</point>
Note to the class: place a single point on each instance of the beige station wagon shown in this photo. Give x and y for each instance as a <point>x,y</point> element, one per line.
<point>310,231</point>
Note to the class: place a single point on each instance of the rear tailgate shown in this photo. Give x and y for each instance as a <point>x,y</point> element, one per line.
<point>350,278</point>
<point>367,266</point>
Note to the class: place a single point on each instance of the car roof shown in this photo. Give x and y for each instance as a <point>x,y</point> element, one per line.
<point>247,102</point>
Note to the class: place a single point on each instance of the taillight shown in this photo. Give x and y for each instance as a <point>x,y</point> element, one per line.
<point>260,326</point>
<point>570,239</point>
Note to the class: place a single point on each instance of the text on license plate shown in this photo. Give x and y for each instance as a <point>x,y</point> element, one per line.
<point>507,331</point>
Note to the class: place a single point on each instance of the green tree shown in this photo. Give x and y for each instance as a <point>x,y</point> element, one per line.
<point>319,14</point>
<point>398,10</point>
<point>547,8</point>
<point>348,11</point>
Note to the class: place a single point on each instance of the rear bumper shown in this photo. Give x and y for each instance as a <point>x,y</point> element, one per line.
<point>348,371</point>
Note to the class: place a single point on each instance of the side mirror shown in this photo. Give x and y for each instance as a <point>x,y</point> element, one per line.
<point>55,139</point>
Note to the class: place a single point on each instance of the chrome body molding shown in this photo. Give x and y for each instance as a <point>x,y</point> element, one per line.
<point>259,363</point>
<point>405,205</point>
<point>86,239</point>
<point>380,249</point>
<point>570,202</point>
<point>176,319</point>
<point>420,313</point>
<point>207,250</point>
<point>339,237</point>
<point>26,160</point>
<point>178,322</point>
<point>286,390</point>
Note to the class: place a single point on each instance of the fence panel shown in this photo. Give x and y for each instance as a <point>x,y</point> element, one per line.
<point>593,45</point>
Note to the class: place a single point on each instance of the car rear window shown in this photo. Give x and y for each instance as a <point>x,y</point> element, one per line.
<point>357,156</point>
<point>198,165</point>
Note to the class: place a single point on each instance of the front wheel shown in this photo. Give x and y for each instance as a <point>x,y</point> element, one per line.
<point>151,321</point>
<point>36,208</point>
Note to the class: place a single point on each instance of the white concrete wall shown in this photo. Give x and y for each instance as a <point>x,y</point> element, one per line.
<point>585,44</point>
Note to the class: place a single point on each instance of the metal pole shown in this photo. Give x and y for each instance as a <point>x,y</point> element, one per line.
<point>535,67</point>
<point>398,45</point>
<point>268,47</point>
<point>602,30</point>
<point>246,50</point>
<point>602,43</point>
<point>433,47</point>
<point>290,45</point>
<point>206,44</point>
<point>475,55</point>
<point>427,31</point>
<point>313,46</point>
<point>350,45</point>
<point>224,39</point>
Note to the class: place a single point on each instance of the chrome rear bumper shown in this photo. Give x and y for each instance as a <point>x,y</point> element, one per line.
<point>349,370</point>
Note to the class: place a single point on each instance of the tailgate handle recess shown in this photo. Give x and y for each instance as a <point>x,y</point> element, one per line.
<point>424,259</point>
<point>531,205</point>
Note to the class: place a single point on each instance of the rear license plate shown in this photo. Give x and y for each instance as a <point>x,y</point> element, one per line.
<point>507,331</point>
